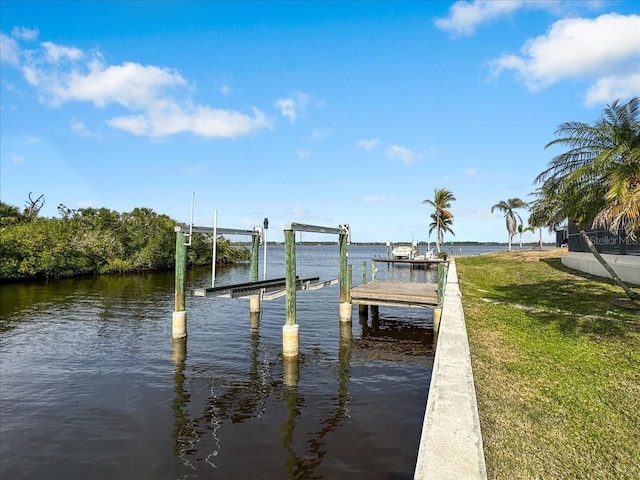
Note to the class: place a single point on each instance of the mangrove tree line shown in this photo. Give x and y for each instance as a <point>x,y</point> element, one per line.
<point>96,241</point>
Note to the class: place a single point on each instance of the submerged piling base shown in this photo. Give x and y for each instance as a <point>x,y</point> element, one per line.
<point>254,319</point>
<point>290,345</point>
<point>291,371</point>
<point>254,304</point>
<point>345,312</point>
<point>178,350</point>
<point>179,324</point>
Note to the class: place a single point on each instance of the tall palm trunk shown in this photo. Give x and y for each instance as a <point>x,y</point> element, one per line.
<point>540,238</point>
<point>592,248</point>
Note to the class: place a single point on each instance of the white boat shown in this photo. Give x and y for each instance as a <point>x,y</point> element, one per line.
<point>404,251</point>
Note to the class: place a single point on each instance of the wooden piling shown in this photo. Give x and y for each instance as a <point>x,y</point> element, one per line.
<point>179,318</point>
<point>255,249</point>
<point>290,335</point>
<point>290,276</point>
<point>345,280</point>
<point>363,309</point>
<point>255,302</point>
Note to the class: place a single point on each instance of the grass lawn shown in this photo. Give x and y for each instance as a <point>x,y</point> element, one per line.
<point>556,367</point>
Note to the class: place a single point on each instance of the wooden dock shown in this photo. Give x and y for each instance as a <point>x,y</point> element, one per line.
<point>396,294</point>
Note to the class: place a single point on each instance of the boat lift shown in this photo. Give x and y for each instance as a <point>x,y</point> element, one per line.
<point>257,291</point>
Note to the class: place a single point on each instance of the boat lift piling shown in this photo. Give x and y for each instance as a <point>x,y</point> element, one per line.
<point>255,290</point>
<point>179,317</point>
<point>290,330</point>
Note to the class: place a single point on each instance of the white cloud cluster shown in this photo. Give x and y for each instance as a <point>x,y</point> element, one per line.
<point>9,50</point>
<point>394,152</point>
<point>294,106</point>
<point>403,154</point>
<point>465,16</point>
<point>605,50</point>
<point>368,144</point>
<point>153,97</point>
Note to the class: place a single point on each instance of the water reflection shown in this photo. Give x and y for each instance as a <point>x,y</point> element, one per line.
<point>306,467</point>
<point>243,400</point>
<point>396,338</point>
<point>91,363</point>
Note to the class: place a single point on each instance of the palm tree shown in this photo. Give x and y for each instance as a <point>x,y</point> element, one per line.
<point>540,218</point>
<point>442,218</point>
<point>522,229</point>
<point>508,208</point>
<point>597,181</point>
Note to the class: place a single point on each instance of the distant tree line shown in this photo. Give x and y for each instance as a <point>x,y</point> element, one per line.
<point>96,241</point>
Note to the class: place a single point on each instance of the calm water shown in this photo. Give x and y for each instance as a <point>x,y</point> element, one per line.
<point>92,385</point>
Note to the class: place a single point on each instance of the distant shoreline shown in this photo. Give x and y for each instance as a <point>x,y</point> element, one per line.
<point>421,244</point>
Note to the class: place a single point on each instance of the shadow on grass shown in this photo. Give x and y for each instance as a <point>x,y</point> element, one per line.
<point>578,306</point>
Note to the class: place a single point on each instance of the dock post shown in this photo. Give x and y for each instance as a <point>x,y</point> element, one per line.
<point>254,302</point>
<point>179,317</point>
<point>437,312</point>
<point>345,281</point>
<point>375,311</point>
<point>290,337</point>
<point>363,309</point>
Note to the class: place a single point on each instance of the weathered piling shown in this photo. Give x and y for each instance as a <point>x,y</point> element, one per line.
<point>179,317</point>
<point>254,302</point>
<point>345,280</point>
<point>290,337</point>
<point>363,309</point>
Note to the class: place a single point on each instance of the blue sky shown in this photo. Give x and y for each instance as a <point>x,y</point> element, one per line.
<point>313,112</point>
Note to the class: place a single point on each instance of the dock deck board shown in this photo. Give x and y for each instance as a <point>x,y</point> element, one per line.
<point>398,294</point>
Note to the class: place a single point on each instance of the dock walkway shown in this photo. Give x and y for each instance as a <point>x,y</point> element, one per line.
<point>395,294</point>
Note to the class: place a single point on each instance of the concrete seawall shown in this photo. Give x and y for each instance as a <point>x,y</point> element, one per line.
<point>451,441</point>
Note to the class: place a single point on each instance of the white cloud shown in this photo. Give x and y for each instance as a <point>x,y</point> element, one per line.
<point>470,172</point>
<point>155,98</point>
<point>368,144</point>
<point>79,127</point>
<point>465,16</point>
<point>202,121</point>
<point>56,53</point>
<point>17,158</point>
<point>9,50</point>
<point>225,90</point>
<point>293,106</point>
<point>24,33</point>
<point>287,108</point>
<point>606,89</point>
<point>605,49</point>
<point>403,154</point>
<point>303,154</point>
